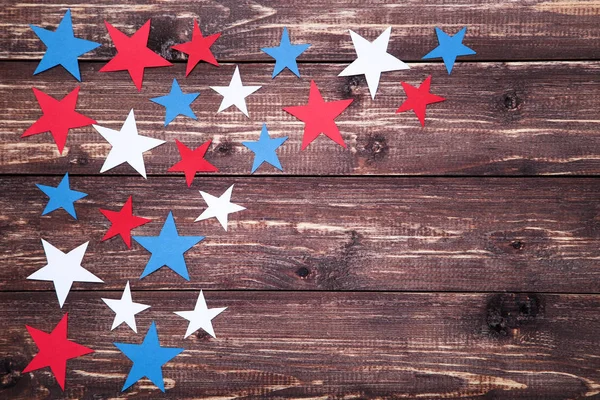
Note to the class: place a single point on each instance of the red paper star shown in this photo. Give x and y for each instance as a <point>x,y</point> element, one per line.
<point>122,222</point>
<point>58,117</point>
<point>55,350</point>
<point>418,99</point>
<point>198,49</point>
<point>319,116</point>
<point>132,54</point>
<point>192,161</point>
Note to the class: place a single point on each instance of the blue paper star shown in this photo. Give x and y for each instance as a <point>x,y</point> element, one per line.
<point>63,47</point>
<point>148,359</point>
<point>61,196</point>
<point>450,47</point>
<point>264,149</point>
<point>176,103</point>
<point>167,249</point>
<point>285,54</point>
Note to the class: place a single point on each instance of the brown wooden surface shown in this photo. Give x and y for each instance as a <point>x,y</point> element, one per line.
<point>499,119</point>
<point>338,287</point>
<point>498,30</point>
<point>325,345</point>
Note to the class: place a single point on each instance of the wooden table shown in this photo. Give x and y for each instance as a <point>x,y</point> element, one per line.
<point>459,260</point>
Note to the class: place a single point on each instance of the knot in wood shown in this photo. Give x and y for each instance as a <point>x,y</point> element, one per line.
<point>518,245</point>
<point>224,149</point>
<point>511,101</point>
<point>302,272</point>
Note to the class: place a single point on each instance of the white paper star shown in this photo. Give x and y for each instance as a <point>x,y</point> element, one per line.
<point>372,59</point>
<point>200,317</point>
<point>235,94</point>
<point>64,269</point>
<point>125,309</point>
<point>219,207</point>
<point>127,145</point>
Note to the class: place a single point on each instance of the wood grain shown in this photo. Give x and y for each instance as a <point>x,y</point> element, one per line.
<point>323,345</point>
<point>325,234</point>
<point>499,119</point>
<point>498,30</point>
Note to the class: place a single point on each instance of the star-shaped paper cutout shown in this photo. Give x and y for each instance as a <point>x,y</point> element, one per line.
<point>418,99</point>
<point>58,117</point>
<point>125,309</point>
<point>192,161</point>
<point>133,54</point>
<point>55,350</point>
<point>167,249</point>
<point>235,94</point>
<point>176,103</point>
<point>198,49</point>
<point>127,145</point>
<point>285,54</point>
<point>200,317</point>
<point>62,47</point>
<point>61,197</point>
<point>264,149</point>
<point>449,48</point>
<point>318,116</point>
<point>63,270</point>
<point>219,207</point>
<point>122,222</point>
<point>372,59</point>
<point>148,359</point>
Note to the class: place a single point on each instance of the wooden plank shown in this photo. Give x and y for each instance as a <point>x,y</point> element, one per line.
<point>501,119</point>
<point>509,30</point>
<point>315,345</point>
<point>325,234</point>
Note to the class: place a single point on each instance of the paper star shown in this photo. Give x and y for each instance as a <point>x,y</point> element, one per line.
<point>200,317</point>
<point>264,149</point>
<point>198,49</point>
<point>372,59</point>
<point>62,47</point>
<point>125,309</point>
<point>122,222</point>
<point>127,145</point>
<point>219,207</point>
<point>176,103</point>
<point>167,249</point>
<point>192,161</point>
<point>235,94</point>
<point>285,54</point>
<point>418,99</point>
<point>63,270</point>
<point>319,116</point>
<point>449,48</point>
<point>132,54</point>
<point>61,196</point>
<point>148,359</point>
<point>55,350</point>
<point>58,117</point>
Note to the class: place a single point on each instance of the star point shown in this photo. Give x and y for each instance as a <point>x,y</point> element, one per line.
<point>449,48</point>
<point>264,149</point>
<point>192,161</point>
<point>148,359</point>
<point>176,103</point>
<point>235,94</point>
<point>167,249</point>
<point>55,350</point>
<point>285,54</point>
<point>61,197</point>
<point>133,55</point>
<point>127,145</point>
<point>58,117</point>
<point>418,99</point>
<point>372,59</point>
<point>62,47</point>
<point>319,116</point>
<point>122,222</point>
<point>198,49</point>
<point>219,207</point>
<point>125,309</point>
<point>200,317</point>
<point>63,269</point>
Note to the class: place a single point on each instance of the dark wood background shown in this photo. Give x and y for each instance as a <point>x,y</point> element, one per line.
<point>455,261</point>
